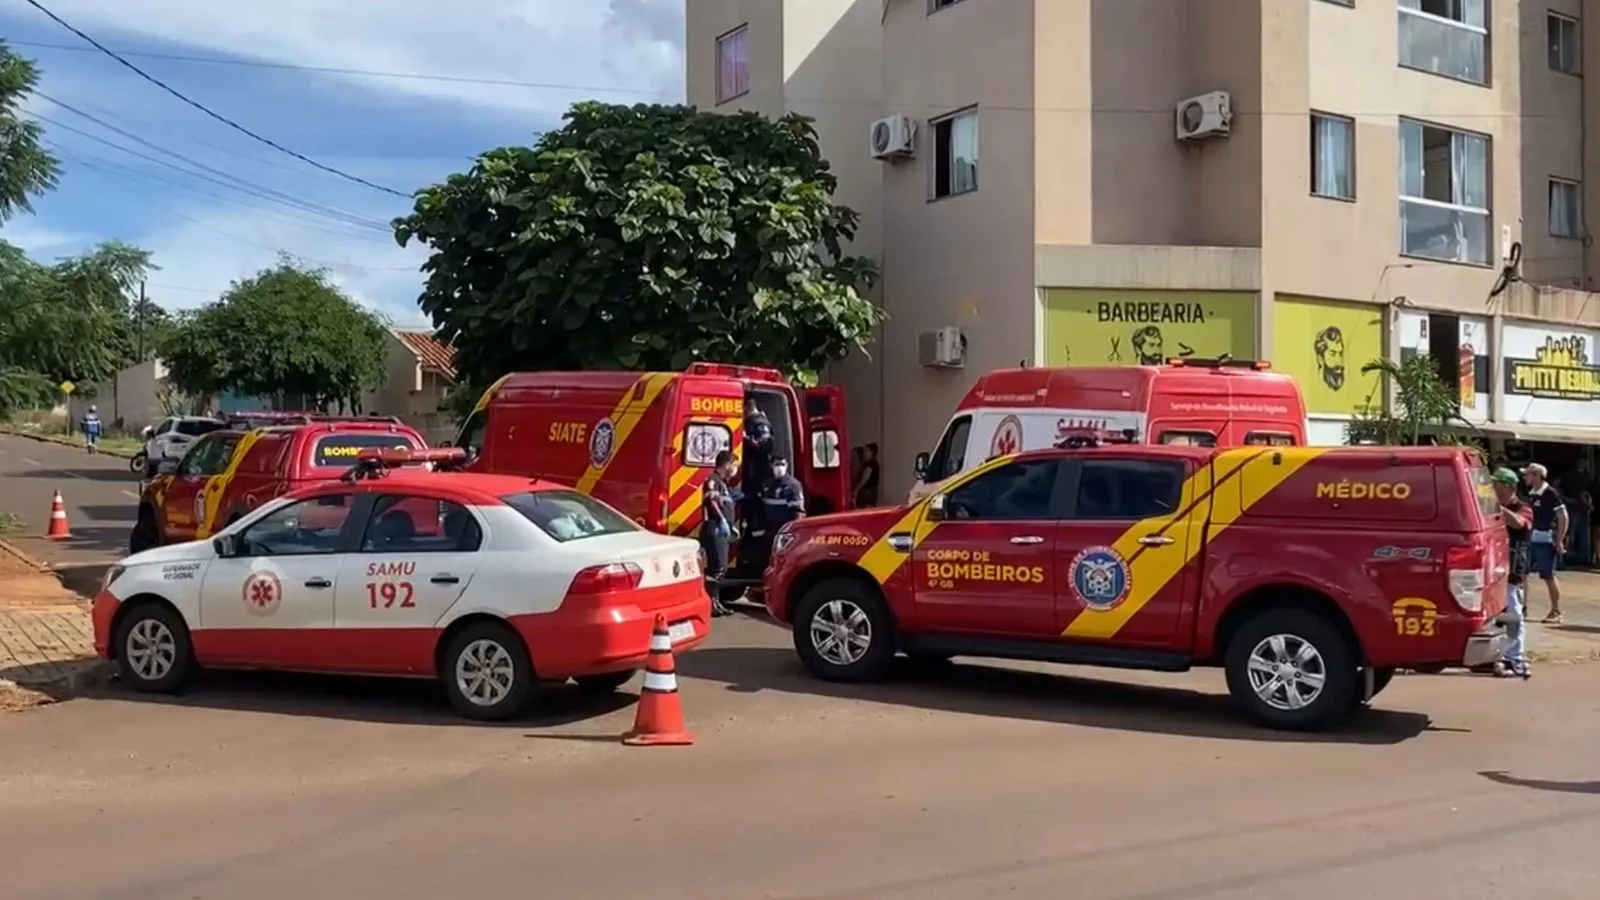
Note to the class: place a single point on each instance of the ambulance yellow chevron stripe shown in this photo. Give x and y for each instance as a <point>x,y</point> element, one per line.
<point>624,418</point>
<point>1211,500</point>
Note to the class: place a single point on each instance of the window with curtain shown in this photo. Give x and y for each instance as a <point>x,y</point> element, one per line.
<point>1444,193</point>
<point>1446,37</point>
<point>955,154</point>
<point>733,64</point>
<point>1565,220</point>
<point>1561,36</point>
<point>1333,156</point>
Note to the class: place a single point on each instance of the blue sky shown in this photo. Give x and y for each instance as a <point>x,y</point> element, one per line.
<point>214,205</point>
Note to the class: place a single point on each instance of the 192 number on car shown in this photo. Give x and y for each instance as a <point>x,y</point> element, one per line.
<point>389,594</point>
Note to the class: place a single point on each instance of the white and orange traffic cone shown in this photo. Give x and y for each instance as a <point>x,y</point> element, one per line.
<point>658,721</point>
<point>58,530</point>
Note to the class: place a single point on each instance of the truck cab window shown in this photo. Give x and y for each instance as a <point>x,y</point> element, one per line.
<point>1269,439</point>
<point>1128,488</point>
<point>950,457</point>
<point>471,437</point>
<point>1021,490</point>
<point>1189,438</point>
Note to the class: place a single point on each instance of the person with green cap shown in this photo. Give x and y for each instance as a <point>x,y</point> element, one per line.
<point>1519,528</point>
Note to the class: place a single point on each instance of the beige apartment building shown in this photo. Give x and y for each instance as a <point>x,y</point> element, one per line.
<point>1319,183</point>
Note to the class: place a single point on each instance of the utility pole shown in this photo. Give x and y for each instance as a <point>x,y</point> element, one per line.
<point>138,323</point>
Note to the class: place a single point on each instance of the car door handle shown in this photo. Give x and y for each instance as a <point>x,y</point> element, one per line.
<point>319,583</point>
<point>1155,540</point>
<point>1028,539</point>
<point>445,579</point>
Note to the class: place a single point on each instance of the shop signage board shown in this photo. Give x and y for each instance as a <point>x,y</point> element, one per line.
<point>1552,375</point>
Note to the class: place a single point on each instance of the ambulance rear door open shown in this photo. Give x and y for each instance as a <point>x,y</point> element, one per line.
<point>823,472</point>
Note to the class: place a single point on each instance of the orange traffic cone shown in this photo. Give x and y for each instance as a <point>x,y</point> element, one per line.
<point>659,718</point>
<point>58,530</point>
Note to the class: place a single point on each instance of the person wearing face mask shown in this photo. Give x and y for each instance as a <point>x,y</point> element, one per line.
<point>782,500</point>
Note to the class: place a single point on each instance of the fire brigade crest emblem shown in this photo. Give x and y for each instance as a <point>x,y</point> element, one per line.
<point>602,441</point>
<point>1007,437</point>
<point>1101,578</point>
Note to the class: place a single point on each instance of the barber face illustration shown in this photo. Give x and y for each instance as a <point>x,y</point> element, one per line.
<point>1329,350</point>
<point>1148,346</point>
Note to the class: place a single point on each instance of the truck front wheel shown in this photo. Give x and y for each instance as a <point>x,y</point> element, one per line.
<point>1293,670</point>
<point>843,633</point>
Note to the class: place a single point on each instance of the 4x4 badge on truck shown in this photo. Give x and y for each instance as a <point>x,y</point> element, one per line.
<point>1101,578</point>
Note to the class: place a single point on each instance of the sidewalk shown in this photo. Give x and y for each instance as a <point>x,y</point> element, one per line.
<point>46,645</point>
<point>1578,638</point>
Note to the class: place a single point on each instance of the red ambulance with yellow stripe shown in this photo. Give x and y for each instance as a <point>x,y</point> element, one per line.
<point>646,442</point>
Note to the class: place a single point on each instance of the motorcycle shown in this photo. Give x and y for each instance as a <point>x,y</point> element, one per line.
<point>139,462</point>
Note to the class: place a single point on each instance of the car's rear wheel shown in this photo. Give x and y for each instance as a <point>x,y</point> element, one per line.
<point>605,682</point>
<point>146,534</point>
<point>152,649</point>
<point>487,673</point>
<point>843,632</point>
<point>1293,670</point>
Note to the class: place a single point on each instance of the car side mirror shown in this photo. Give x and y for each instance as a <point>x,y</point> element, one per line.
<point>920,466</point>
<point>936,508</point>
<point>166,467</point>
<point>226,545</point>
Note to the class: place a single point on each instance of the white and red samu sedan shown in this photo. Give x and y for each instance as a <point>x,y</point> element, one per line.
<point>492,583</point>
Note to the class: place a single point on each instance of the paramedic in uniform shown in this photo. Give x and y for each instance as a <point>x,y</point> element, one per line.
<point>716,526</point>
<point>757,464</point>
<point>782,500</point>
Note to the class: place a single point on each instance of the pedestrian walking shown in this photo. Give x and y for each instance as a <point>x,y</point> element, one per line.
<point>91,429</point>
<point>1519,528</point>
<point>717,530</point>
<point>1548,539</point>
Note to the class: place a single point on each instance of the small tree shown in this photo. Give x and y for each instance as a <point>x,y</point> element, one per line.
<point>26,168</point>
<point>1422,402</point>
<point>287,330</point>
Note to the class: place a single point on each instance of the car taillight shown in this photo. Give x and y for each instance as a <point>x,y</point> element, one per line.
<point>1467,571</point>
<point>599,581</point>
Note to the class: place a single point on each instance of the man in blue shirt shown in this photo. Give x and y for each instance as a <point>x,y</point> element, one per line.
<point>91,429</point>
<point>1548,540</point>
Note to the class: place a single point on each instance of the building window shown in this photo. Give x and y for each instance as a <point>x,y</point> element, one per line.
<point>1446,37</point>
<point>1561,33</point>
<point>955,154</point>
<point>1444,193</point>
<point>1342,2</point>
<point>1333,156</point>
<point>733,64</point>
<point>936,5</point>
<point>1564,217</point>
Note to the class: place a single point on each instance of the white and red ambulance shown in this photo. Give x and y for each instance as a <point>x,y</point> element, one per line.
<point>491,583</point>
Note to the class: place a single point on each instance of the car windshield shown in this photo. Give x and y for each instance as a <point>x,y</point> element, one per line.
<point>197,427</point>
<point>569,515</point>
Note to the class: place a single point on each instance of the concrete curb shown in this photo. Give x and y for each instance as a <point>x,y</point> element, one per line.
<point>8,547</point>
<point>65,442</point>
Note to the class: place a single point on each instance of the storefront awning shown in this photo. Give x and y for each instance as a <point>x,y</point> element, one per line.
<point>1554,434</point>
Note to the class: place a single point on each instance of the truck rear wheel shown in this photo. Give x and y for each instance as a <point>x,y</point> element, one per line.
<point>1293,670</point>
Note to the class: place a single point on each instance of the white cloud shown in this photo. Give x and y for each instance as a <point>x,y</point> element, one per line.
<point>618,49</point>
<point>199,259</point>
<point>39,241</point>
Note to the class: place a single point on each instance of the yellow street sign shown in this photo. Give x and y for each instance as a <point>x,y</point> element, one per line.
<point>68,387</point>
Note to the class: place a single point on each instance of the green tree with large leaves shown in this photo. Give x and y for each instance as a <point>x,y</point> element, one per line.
<point>26,169</point>
<point>286,330</point>
<point>644,237</point>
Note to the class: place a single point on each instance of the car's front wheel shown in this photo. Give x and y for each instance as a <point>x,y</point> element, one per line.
<point>152,649</point>
<point>487,673</point>
<point>843,632</point>
<point>1293,670</point>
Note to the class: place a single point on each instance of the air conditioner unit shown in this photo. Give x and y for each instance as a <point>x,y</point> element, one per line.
<point>893,137</point>
<point>942,348</point>
<point>1206,116</point>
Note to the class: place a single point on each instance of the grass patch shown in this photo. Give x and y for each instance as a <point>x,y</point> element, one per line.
<point>10,523</point>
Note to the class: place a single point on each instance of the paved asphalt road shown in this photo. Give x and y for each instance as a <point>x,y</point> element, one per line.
<point>966,781</point>
<point>100,494</point>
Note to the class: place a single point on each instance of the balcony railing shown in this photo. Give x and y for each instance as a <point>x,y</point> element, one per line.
<point>1444,231</point>
<point>1443,46</point>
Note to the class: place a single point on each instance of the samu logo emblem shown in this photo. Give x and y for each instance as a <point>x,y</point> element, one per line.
<point>601,442</point>
<point>1101,578</point>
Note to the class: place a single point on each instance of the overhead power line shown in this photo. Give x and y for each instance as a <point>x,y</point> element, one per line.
<point>204,109</point>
